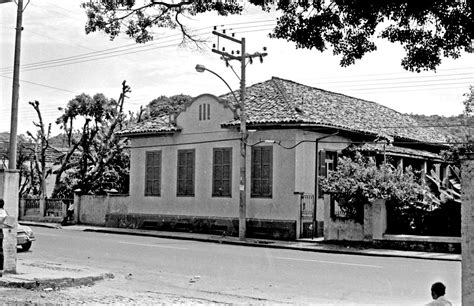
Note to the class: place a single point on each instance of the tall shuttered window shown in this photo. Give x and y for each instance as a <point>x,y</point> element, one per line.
<point>262,173</point>
<point>222,172</point>
<point>185,173</point>
<point>153,173</point>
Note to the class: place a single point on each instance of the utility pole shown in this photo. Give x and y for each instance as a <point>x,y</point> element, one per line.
<point>243,120</point>
<point>15,88</point>
<point>11,176</point>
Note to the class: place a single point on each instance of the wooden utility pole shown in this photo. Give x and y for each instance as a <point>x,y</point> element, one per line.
<point>15,88</point>
<point>243,122</point>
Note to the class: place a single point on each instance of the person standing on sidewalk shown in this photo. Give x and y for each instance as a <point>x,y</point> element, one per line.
<point>3,215</point>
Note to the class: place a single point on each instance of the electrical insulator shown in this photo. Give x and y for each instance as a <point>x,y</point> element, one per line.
<point>264,48</point>
<point>213,46</point>
<point>232,52</point>
<point>223,49</point>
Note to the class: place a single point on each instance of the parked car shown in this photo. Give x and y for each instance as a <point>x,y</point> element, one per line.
<point>25,237</point>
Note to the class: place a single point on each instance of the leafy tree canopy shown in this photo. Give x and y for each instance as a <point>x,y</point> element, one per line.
<point>164,105</point>
<point>427,30</point>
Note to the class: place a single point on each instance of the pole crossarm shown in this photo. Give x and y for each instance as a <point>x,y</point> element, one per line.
<point>227,37</point>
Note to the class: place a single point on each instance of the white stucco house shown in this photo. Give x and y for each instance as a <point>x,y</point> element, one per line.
<point>184,172</point>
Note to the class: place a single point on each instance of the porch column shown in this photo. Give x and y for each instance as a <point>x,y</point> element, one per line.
<point>467,229</point>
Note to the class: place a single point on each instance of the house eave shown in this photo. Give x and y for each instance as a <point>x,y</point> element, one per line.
<point>147,133</point>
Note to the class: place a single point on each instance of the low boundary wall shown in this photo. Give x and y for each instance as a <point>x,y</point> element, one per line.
<point>256,228</point>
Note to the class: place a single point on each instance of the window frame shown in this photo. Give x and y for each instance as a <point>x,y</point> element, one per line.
<point>253,178</point>
<point>215,193</point>
<point>185,193</point>
<point>148,192</point>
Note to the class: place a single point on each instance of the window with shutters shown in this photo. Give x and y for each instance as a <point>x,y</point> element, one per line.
<point>261,172</point>
<point>153,173</point>
<point>222,172</point>
<point>185,184</point>
<point>327,163</point>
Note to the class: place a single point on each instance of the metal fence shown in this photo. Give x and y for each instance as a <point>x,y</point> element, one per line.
<point>57,207</point>
<point>32,207</point>
<point>52,207</point>
<point>307,214</point>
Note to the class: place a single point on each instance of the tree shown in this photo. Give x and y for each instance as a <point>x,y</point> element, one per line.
<point>358,181</point>
<point>96,160</point>
<point>136,18</point>
<point>41,141</point>
<point>427,30</point>
<point>469,102</point>
<point>164,105</point>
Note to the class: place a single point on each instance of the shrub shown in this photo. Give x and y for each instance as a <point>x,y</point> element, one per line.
<point>358,181</point>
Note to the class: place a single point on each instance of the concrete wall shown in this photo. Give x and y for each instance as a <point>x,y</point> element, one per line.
<point>467,230</point>
<point>93,209</point>
<point>373,226</point>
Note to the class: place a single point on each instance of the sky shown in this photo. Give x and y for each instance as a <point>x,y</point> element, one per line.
<point>59,61</point>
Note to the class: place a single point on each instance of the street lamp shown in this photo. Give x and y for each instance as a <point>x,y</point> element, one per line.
<point>202,68</point>
<point>243,148</point>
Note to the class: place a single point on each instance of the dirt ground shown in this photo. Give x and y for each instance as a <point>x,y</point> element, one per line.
<point>114,291</point>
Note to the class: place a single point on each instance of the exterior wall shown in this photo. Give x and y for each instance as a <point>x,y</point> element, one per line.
<point>306,163</point>
<point>92,209</point>
<point>373,226</point>
<point>294,170</point>
<point>284,202</point>
<point>202,136</point>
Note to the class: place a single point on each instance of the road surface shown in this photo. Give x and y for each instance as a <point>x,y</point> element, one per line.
<point>153,270</point>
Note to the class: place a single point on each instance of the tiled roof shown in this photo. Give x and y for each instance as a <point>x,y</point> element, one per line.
<point>279,101</point>
<point>395,150</point>
<point>150,126</point>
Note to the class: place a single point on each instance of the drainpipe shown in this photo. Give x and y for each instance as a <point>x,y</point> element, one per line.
<point>316,181</point>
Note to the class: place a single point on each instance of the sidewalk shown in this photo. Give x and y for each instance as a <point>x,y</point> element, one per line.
<point>32,274</point>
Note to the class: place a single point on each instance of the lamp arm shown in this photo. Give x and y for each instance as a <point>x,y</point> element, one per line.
<point>231,91</point>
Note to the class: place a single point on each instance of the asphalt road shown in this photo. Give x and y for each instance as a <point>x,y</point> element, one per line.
<point>147,266</point>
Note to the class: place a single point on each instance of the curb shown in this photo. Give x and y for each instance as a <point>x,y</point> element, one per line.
<point>374,253</point>
<point>40,224</point>
<point>54,283</point>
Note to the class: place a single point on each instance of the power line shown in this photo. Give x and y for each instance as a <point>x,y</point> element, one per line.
<point>382,74</point>
<point>107,51</point>
<point>38,84</point>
